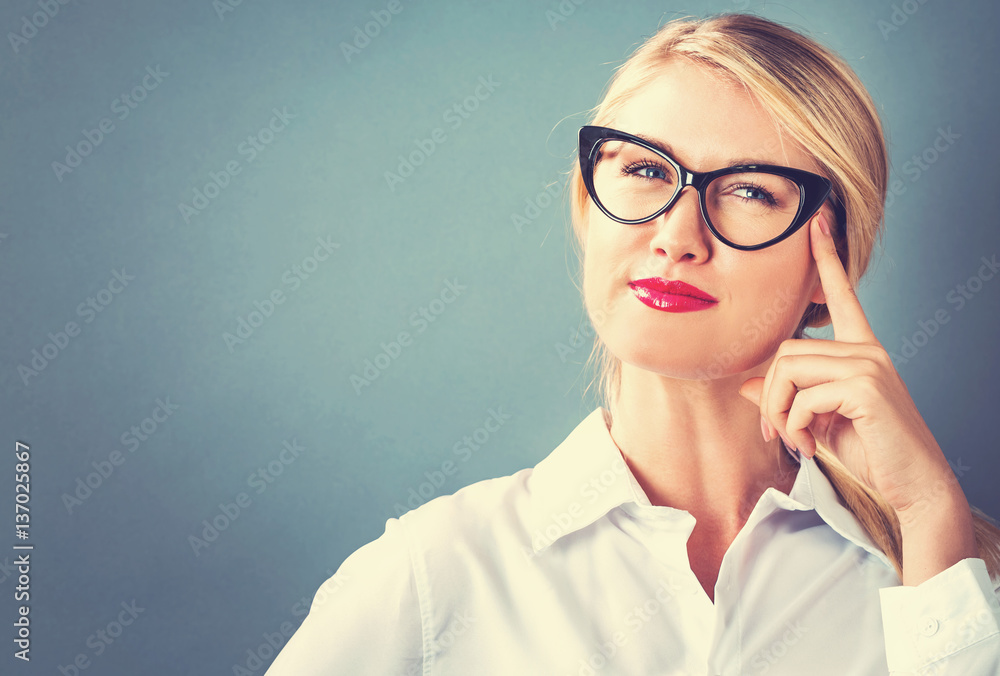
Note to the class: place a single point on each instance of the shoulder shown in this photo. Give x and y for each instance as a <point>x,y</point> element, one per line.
<point>570,487</point>
<point>511,506</point>
<point>493,511</point>
<point>490,525</point>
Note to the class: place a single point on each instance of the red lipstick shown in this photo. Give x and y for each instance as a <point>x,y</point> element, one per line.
<point>671,295</point>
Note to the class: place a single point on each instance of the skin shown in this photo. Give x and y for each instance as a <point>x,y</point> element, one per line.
<point>696,423</point>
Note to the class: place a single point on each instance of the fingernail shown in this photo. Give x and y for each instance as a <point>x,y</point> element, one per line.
<point>823,226</point>
<point>763,428</point>
<point>790,444</point>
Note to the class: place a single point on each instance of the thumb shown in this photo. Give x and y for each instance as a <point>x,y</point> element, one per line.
<point>751,389</point>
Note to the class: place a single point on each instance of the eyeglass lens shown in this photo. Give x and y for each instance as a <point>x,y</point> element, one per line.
<point>748,208</point>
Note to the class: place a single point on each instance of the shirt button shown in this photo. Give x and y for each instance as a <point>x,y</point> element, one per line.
<point>929,626</point>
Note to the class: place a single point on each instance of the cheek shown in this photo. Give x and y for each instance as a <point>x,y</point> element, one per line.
<point>598,278</point>
<point>764,294</point>
<point>602,263</point>
<point>770,300</point>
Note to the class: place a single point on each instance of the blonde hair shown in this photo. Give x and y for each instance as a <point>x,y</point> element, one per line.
<point>816,98</point>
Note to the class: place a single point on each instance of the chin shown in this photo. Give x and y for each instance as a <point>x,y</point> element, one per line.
<point>697,357</point>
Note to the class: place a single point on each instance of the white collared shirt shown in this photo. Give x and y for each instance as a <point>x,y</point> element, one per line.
<point>566,569</point>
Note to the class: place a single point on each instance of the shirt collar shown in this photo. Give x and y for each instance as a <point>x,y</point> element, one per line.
<point>585,477</point>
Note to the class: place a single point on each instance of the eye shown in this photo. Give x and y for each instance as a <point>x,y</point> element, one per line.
<point>646,169</point>
<point>753,193</point>
<point>652,172</point>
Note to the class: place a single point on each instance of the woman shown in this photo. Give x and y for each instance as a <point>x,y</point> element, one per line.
<point>728,194</point>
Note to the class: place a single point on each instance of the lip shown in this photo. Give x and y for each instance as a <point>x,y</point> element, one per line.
<point>671,295</point>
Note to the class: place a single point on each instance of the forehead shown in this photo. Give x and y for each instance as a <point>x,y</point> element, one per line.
<point>707,120</point>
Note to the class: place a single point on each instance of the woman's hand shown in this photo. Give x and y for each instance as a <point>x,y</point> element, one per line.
<point>846,394</point>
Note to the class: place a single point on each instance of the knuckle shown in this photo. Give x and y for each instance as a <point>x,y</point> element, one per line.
<point>791,419</point>
<point>872,367</point>
<point>781,369</point>
<point>870,385</point>
<point>880,356</point>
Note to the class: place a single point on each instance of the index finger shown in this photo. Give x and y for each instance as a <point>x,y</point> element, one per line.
<point>849,321</point>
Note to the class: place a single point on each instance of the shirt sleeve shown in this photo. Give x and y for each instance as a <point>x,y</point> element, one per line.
<point>948,624</point>
<point>363,620</point>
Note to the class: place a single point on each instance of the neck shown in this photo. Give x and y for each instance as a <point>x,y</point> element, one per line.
<point>696,445</point>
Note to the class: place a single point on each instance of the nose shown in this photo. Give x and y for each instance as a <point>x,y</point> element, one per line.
<point>681,232</point>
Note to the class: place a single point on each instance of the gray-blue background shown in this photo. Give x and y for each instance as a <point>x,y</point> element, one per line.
<point>323,176</point>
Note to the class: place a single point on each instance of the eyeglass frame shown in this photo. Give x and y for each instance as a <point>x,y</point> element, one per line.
<point>814,190</point>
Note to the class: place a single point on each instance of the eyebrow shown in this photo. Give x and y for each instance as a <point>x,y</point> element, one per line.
<point>735,162</point>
